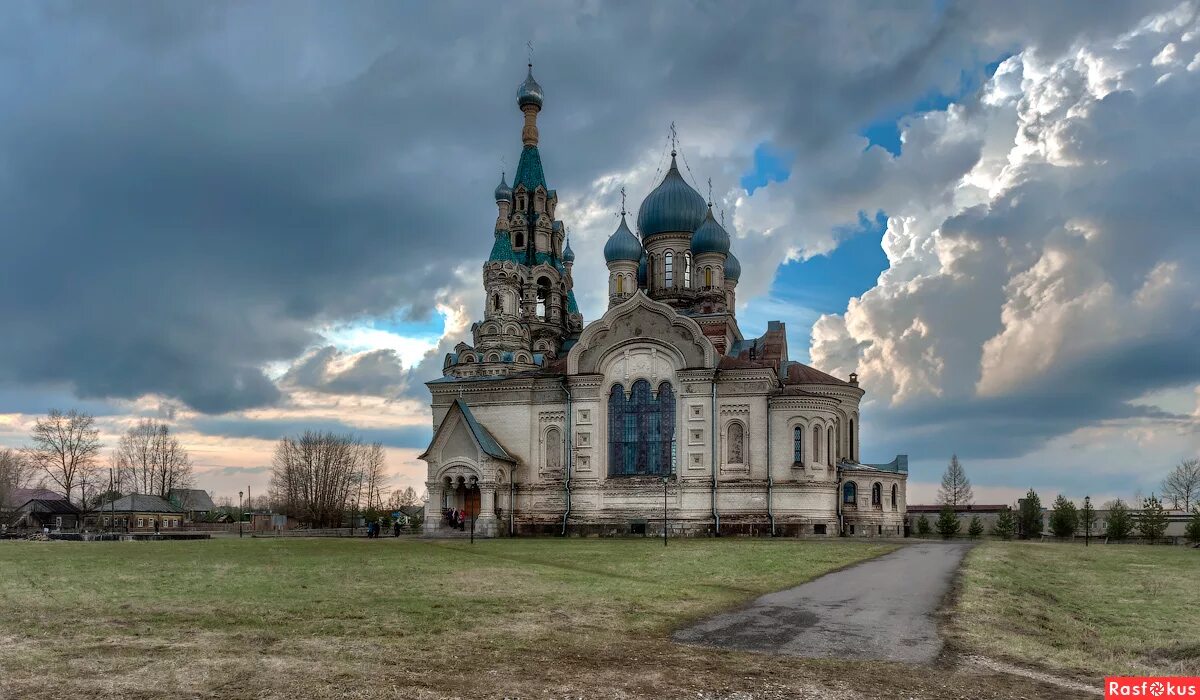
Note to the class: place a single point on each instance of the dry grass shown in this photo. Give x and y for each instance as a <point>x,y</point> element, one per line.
<point>1100,610</point>
<point>418,619</point>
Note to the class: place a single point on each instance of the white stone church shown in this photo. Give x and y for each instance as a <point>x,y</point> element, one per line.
<point>660,411</point>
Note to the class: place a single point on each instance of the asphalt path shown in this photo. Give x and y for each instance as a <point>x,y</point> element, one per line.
<point>880,609</point>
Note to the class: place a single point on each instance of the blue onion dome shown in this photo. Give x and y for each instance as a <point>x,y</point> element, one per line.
<point>568,254</point>
<point>503,191</point>
<point>672,206</point>
<point>643,272</point>
<point>733,268</point>
<point>623,245</point>
<point>710,237</point>
<point>530,93</point>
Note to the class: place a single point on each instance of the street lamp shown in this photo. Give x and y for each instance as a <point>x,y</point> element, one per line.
<point>240,514</point>
<point>1087,520</point>
<point>665,480</point>
<point>353,514</point>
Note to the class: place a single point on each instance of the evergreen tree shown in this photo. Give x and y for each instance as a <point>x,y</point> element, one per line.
<point>975,530</point>
<point>1152,523</point>
<point>956,488</point>
<point>923,526</point>
<point>1119,524</point>
<point>1192,532</point>
<point>1064,519</point>
<point>1006,525</point>
<point>1030,517</point>
<point>947,522</point>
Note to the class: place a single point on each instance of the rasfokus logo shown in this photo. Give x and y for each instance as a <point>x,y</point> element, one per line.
<point>1151,687</point>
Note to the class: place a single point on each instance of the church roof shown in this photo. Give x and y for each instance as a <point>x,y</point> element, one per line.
<point>502,250</point>
<point>529,170</point>
<point>673,206</point>
<point>486,441</point>
<point>530,92</point>
<point>799,373</point>
<point>710,238</point>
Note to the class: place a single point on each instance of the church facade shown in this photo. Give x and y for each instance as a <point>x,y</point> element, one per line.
<point>658,414</point>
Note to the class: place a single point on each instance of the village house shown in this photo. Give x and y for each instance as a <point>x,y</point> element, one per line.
<point>53,513</point>
<point>137,512</point>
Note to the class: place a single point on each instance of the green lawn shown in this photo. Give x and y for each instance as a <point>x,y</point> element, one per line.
<point>1107,609</point>
<point>325,618</point>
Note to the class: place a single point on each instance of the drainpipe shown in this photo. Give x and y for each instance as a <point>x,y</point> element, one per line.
<point>512,504</point>
<point>570,460</point>
<point>770,513</point>
<point>716,513</point>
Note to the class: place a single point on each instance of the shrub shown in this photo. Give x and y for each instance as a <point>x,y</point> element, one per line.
<point>1030,517</point>
<point>1119,524</point>
<point>1152,523</point>
<point>1006,525</point>
<point>1064,519</point>
<point>923,528</point>
<point>975,529</point>
<point>947,522</point>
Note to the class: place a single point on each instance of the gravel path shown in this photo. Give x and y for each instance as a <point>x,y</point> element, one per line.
<point>879,609</point>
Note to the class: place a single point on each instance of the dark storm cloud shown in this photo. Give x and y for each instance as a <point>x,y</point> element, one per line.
<point>329,370</point>
<point>273,429</point>
<point>188,189</point>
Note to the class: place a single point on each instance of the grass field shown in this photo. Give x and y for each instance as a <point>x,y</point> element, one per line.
<point>1100,610</point>
<point>336,618</point>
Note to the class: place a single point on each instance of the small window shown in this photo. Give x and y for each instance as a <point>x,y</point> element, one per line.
<point>496,303</point>
<point>880,529</point>
<point>141,522</point>
<point>851,529</point>
<point>819,529</point>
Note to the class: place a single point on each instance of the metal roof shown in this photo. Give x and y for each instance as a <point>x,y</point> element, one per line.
<point>140,503</point>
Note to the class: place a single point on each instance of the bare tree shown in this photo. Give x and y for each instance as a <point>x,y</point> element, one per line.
<point>374,475</point>
<point>403,497</point>
<point>65,447</point>
<point>149,459</point>
<point>15,473</point>
<point>1182,485</point>
<point>315,476</point>
<point>956,488</point>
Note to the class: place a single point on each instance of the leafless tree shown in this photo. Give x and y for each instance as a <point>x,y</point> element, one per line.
<point>149,459</point>
<point>374,475</point>
<point>956,488</point>
<point>403,497</point>
<point>1182,485</point>
<point>65,447</point>
<point>315,476</point>
<point>15,473</point>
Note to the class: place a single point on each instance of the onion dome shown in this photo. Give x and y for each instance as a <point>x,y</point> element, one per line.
<point>733,268</point>
<point>530,93</point>
<point>710,237</point>
<point>503,191</point>
<point>672,206</point>
<point>623,245</point>
<point>643,271</point>
<point>568,254</point>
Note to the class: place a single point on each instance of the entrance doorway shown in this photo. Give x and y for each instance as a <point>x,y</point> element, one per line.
<point>471,502</point>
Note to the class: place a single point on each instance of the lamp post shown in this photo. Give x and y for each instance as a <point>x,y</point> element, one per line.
<point>665,479</point>
<point>240,514</point>
<point>1087,520</point>
<point>353,515</point>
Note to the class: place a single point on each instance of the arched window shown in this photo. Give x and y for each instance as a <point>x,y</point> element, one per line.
<point>519,240</point>
<point>877,494</point>
<point>853,453</point>
<point>543,298</point>
<point>894,499</point>
<point>620,284</point>
<point>669,270</point>
<point>816,444</point>
<point>798,445</point>
<point>734,442</point>
<point>641,430</point>
<point>687,269</point>
<point>496,303</point>
<point>708,277</point>
<point>651,280</point>
<point>837,445</point>
<point>554,449</point>
<point>850,493</point>
<point>829,453</point>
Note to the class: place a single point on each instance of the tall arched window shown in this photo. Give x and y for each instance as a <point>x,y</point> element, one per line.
<point>669,270</point>
<point>651,280</point>
<point>496,303</point>
<point>853,453</point>
<point>816,444</point>
<point>543,298</point>
<point>519,240</point>
<point>894,499</point>
<point>829,453</point>
<point>735,443</point>
<point>641,430</point>
<point>554,449</point>
<point>687,269</point>
<point>708,277</point>
<point>850,493</point>
<point>798,445</point>
<point>877,494</point>
<point>620,284</point>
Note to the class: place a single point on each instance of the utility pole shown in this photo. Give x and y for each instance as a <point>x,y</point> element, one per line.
<point>239,514</point>
<point>664,511</point>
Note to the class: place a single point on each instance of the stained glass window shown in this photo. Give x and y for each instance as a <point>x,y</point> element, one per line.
<point>641,430</point>
<point>798,445</point>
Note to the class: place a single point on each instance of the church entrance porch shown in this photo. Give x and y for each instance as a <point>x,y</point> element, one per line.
<point>466,502</point>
